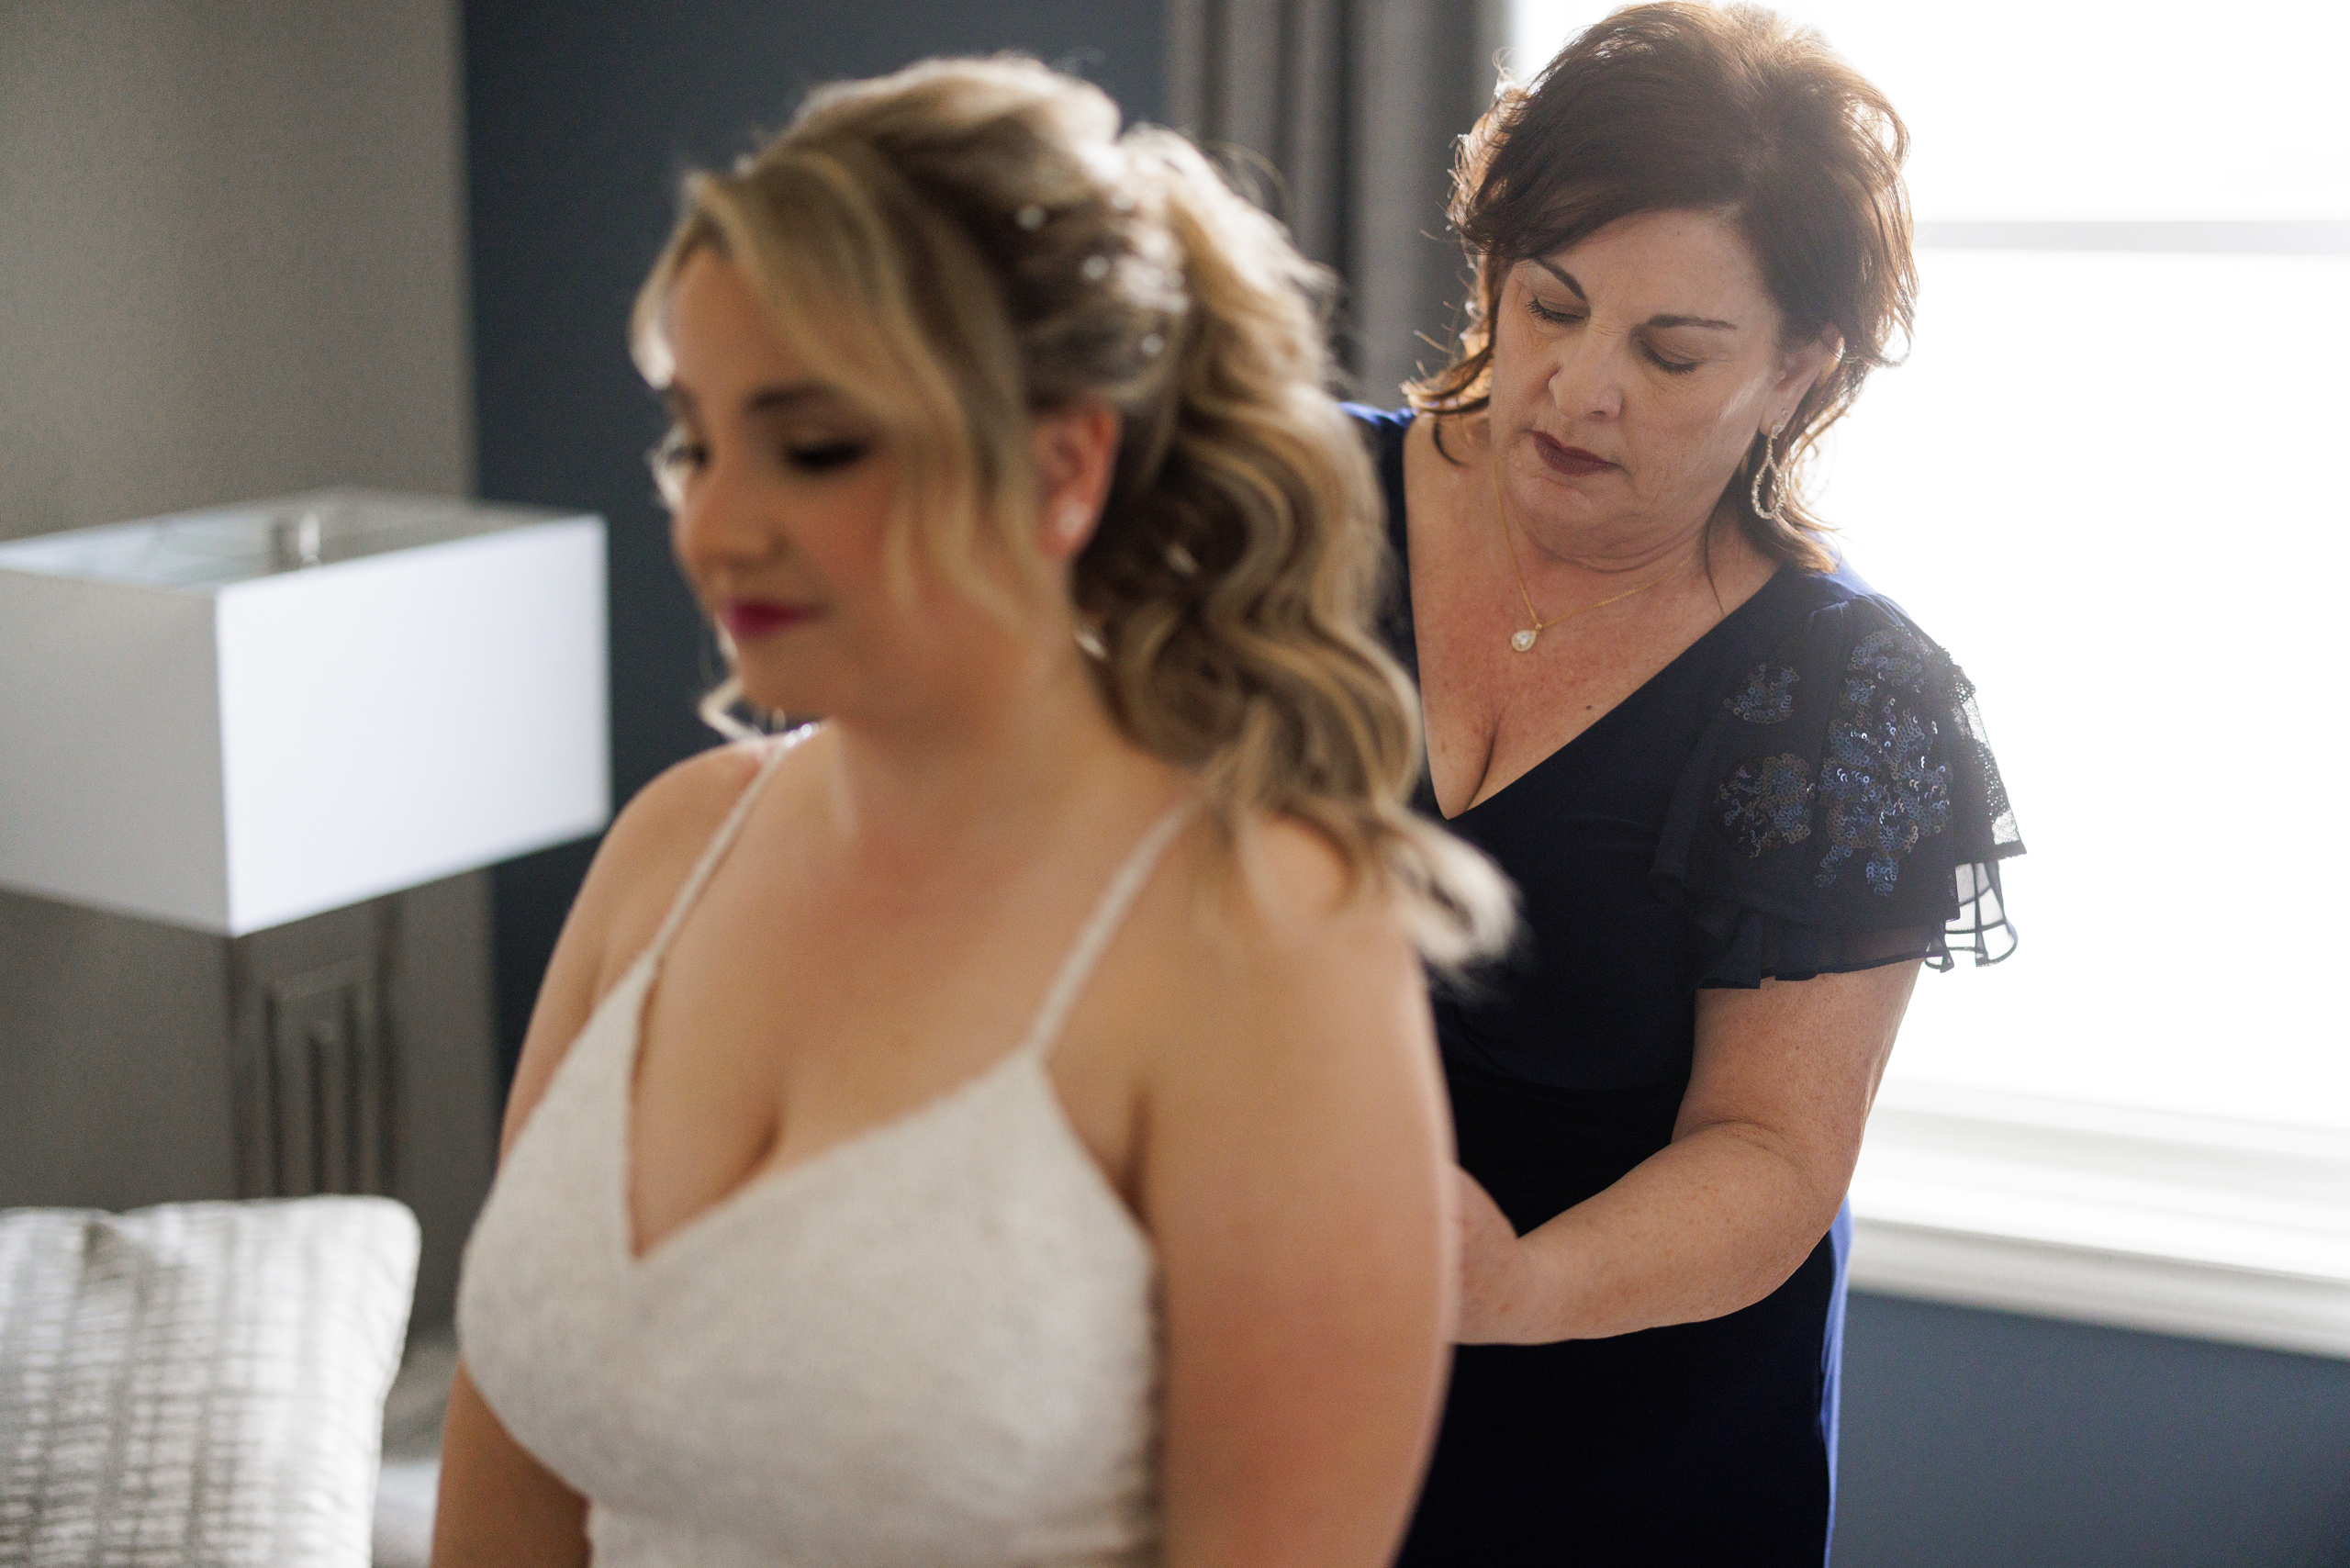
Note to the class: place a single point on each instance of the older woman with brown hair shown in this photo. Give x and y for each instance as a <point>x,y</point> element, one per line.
<point>1744,795</point>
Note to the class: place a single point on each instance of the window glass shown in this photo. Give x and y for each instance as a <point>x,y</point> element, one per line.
<point>2102,481</point>
<point>2107,479</point>
<point>2086,109</point>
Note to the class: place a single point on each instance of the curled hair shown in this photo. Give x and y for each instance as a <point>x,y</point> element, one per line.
<point>1735,111</point>
<point>966,244</point>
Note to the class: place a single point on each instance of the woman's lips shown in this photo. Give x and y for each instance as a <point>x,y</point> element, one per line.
<point>747,618</point>
<point>1573,460</point>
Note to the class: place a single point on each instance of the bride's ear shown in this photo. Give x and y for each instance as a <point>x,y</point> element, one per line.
<point>1075,453</point>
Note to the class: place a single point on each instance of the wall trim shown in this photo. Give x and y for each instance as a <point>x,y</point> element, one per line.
<point>2200,1226</point>
<point>2282,237</point>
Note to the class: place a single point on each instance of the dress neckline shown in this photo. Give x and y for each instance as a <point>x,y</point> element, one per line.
<point>1395,435</point>
<point>633,995</point>
<point>1630,701</point>
<point>768,1184</point>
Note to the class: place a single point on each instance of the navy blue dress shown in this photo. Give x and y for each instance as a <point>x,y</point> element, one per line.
<point>1805,790</point>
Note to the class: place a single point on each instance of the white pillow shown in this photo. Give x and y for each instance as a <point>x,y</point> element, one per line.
<point>197,1383</point>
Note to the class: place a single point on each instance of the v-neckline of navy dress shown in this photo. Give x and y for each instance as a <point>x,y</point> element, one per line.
<point>1403,644</point>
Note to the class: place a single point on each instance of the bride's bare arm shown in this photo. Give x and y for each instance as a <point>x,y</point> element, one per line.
<point>498,1506</point>
<point>1294,1179</point>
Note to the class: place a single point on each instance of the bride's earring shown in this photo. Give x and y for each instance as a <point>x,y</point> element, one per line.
<point>1072,521</point>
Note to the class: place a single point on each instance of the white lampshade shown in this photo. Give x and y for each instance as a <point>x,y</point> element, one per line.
<point>233,718</point>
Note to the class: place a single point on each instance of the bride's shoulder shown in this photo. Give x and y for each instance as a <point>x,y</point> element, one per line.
<point>654,840</point>
<point>644,861</point>
<point>686,802</point>
<point>1264,878</point>
<point>1291,880</point>
<point>653,845</point>
<point>1267,942</point>
<point>1283,1028</point>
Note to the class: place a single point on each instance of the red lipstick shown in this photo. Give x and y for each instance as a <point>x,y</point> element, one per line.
<point>1571,461</point>
<point>747,618</point>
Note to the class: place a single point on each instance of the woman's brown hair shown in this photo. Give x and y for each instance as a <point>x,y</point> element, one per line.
<point>1735,111</point>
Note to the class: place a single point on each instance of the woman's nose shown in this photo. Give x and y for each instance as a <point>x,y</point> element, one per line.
<point>1588,380</point>
<point>717,521</point>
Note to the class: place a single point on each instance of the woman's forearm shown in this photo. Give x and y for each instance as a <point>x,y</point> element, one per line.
<point>1711,1222</point>
<point>1770,1128</point>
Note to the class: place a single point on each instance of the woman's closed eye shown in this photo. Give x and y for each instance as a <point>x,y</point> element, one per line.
<point>824,456</point>
<point>1666,362</point>
<point>1568,314</point>
<point>679,457</point>
<point>1556,315</point>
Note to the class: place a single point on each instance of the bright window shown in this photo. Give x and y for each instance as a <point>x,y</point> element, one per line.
<point>2110,479</point>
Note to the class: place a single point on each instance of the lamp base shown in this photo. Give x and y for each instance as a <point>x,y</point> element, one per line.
<point>354,1052</point>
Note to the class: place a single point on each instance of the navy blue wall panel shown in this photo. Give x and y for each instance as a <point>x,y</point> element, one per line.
<point>1981,1439</point>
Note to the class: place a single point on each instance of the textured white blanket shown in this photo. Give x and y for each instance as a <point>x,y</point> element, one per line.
<point>198,1383</point>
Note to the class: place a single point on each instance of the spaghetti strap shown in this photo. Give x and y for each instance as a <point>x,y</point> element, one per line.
<point>721,841</point>
<point>1110,914</point>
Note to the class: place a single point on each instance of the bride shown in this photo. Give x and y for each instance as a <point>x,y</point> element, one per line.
<point>940,1137</point>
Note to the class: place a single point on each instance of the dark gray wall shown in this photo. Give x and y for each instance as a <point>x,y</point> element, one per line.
<point>1979,1439</point>
<point>581,120</point>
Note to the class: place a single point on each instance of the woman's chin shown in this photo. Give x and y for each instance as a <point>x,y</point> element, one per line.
<point>1568,510</point>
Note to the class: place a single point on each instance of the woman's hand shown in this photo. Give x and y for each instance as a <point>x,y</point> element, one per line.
<point>1502,1297</point>
<point>1760,1156</point>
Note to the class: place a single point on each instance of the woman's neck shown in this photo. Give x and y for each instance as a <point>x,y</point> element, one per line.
<point>996,769</point>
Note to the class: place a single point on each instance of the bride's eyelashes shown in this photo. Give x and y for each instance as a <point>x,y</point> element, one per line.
<point>824,456</point>
<point>679,457</point>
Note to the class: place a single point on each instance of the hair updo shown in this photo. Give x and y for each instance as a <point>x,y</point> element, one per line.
<point>966,244</point>
<point>1734,111</point>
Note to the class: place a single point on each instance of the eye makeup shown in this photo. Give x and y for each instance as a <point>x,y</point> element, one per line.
<point>1564,316</point>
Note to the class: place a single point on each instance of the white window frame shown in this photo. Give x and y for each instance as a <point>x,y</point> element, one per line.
<point>2206,1227</point>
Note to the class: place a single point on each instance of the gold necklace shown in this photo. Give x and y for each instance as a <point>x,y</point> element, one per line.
<point>1523,641</point>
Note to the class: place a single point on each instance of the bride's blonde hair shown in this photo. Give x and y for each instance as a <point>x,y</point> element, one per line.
<point>968,243</point>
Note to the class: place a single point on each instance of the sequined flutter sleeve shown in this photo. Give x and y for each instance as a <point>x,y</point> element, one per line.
<point>1843,809</point>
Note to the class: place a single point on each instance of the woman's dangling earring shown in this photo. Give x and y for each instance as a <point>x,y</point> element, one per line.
<point>1769,469</point>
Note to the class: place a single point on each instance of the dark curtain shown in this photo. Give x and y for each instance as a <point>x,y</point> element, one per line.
<point>1353,107</point>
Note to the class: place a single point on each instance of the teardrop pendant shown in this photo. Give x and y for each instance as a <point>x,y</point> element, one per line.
<point>1522,641</point>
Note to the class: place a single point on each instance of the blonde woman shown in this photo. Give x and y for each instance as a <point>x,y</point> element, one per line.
<point>1002,1127</point>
